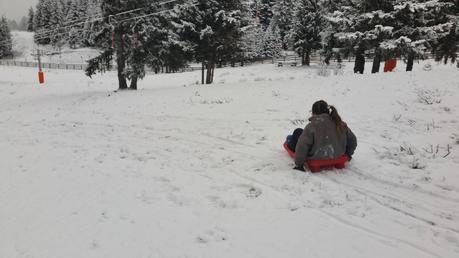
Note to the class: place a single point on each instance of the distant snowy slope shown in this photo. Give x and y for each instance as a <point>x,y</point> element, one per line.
<point>23,45</point>
<point>24,49</point>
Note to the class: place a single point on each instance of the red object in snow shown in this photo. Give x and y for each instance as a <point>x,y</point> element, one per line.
<point>390,65</point>
<point>289,151</point>
<point>317,165</point>
<point>41,77</point>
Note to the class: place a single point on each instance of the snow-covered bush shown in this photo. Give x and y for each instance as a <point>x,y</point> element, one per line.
<point>428,97</point>
<point>413,157</point>
<point>323,70</point>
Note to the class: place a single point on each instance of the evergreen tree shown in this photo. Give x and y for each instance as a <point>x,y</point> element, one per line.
<point>373,21</point>
<point>282,19</point>
<point>30,21</point>
<point>56,21</point>
<point>23,23</point>
<point>64,4</point>
<point>272,43</point>
<point>307,26</point>
<point>72,19</point>
<point>212,30</point>
<point>5,39</point>
<point>359,27</point>
<point>12,24</point>
<point>265,13</point>
<point>45,22</point>
<point>252,45</point>
<point>91,27</point>
<point>134,41</point>
<point>419,26</point>
<point>447,45</point>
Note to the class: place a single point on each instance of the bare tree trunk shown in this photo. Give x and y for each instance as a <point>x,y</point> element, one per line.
<point>327,59</point>
<point>307,60</point>
<point>203,69</point>
<point>209,72</point>
<point>410,62</point>
<point>212,74</point>
<point>376,62</point>
<point>134,80</point>
<point>303,61</point>
<point>359,66</point>
<point>120,60</point>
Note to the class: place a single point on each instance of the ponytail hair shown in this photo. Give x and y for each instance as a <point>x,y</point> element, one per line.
<point>321,107</point>
<point>340,125</point>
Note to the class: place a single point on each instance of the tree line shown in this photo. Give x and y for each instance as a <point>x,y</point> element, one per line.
<point>6,42</point>
<point>218,32</point>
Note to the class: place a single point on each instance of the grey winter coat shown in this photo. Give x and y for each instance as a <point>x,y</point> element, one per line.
<point>321,140</point>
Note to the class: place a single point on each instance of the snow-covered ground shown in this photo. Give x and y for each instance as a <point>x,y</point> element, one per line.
<point>24,49</point>
<point>178,169</point>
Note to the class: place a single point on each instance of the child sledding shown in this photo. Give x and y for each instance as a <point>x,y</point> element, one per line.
<point>326,141</point>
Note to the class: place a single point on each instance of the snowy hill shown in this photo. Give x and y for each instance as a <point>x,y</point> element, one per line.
<point>184,170</point>
<point>24,49</point>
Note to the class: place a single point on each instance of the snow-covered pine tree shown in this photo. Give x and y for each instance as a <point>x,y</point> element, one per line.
<point>307,26</point>
<point>446,44</point>
<point>330,48</point>
<point>252,42</point>
<point>374,22</point>
<point>213,30</point>
<point>171,53</point>
<point>5,38</point>
<point>419,26</point>
<point>48,20</point>
<point>56,21</point>
<point>23,23</point>
<point>272,43</point>
<point>30,24</point>
<point>91,27</point>
<point>41,22</point>
<point>135,38</point>
<point>12,24</point>
<point>375,38</point>
<point>335,23</point>
<point>359,27</point>
<point>282,19</point>
<point>259,42</point>
<point>265,13</point>
<point>74,37</point>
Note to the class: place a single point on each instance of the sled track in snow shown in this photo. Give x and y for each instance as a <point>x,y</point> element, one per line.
<point>374,233</point>
<point>341,220</point>
<point>372,196</point>
<point>400,186</point>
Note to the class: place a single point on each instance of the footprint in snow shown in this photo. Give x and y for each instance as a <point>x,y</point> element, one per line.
<point>213,235</point>
<point>254,193</point>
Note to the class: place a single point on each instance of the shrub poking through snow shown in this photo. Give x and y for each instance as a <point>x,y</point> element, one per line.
<point>428,97</point>
<point>412,157</point>
<point>323,70</point>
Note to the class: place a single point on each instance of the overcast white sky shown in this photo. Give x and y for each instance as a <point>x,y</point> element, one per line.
<point>15,9</point>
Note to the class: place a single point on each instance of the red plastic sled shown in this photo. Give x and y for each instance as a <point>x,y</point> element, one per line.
<point>317,165</point>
